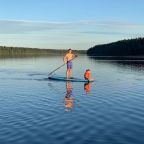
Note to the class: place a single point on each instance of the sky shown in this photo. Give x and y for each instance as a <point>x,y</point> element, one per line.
<point>63,24</point>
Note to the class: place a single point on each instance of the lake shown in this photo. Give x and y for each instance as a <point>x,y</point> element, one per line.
<point>35,110</point>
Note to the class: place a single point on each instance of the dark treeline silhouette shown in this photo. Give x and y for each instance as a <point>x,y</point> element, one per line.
<point>131,47</point>
<point>22,52</point>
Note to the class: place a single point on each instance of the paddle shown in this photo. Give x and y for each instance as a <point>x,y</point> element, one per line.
<point>60,66</point>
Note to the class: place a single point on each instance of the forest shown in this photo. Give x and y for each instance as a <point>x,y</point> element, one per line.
<point>28,52</point>
<point>129,47</point>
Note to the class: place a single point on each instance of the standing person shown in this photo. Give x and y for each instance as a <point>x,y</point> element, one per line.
<point>68,59</point>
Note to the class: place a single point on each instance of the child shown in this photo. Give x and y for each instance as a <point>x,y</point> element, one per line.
<point>87,75</point>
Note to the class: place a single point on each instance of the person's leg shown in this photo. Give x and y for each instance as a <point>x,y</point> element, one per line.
<point>67,73</point>
<point>70,69</point>
<point>70,72</point>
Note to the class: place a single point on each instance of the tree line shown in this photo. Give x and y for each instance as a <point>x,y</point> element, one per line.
<point>21,51</point>
<point>130,47</point>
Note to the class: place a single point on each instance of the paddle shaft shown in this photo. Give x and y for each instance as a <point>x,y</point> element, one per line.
<point>60,66</point>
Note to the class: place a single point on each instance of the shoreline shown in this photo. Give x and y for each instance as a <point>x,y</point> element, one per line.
<point>30,52</point>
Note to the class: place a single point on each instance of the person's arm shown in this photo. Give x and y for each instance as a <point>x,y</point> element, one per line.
<point>65,58</point>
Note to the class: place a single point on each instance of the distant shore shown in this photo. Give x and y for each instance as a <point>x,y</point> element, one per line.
<point>28,52</point>
<point>123,49</point>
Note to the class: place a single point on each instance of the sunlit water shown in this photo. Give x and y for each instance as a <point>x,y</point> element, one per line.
<point>35,110</point>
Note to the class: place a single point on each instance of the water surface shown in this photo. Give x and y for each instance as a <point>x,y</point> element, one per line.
<point>36,110</point>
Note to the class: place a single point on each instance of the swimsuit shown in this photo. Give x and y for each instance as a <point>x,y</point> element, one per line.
<point>69,64</point>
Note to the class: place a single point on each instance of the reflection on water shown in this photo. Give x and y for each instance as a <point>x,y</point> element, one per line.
<point>87,87</point>
<point>38,111</point>
<point>68,100</point>
<point>137,65</point>
<point>133,64</point>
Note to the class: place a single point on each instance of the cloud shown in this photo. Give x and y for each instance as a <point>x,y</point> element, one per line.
<point>114,24</point>
<point>22,26</point>
<point>111,33</point>
<point>78,34</point>
<point>114,28</point>
<point>19,26</point>
<point>102,33</point>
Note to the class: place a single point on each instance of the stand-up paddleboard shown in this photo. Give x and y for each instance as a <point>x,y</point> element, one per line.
<point>72,79</point>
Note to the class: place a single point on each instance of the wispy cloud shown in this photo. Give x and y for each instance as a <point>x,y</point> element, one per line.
<point>22,26</point>
<point>77,34</point>
<point>112,33</point>
<point>102,33</point>
<point>19,26</point>
<point>112,24</point>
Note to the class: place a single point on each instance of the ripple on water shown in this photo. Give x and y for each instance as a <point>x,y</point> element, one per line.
<point>33,108</point>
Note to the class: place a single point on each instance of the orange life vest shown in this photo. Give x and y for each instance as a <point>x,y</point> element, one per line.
<point>87,75</point>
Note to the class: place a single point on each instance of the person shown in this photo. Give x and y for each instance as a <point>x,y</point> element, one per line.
<point>87,75</point>
<point>68,57</point>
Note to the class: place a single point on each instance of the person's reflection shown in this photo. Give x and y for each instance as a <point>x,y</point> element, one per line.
<point>68,101</point>
<point>87,87</point>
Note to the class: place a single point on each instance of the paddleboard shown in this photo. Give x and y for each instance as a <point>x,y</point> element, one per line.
<point>72,79</point>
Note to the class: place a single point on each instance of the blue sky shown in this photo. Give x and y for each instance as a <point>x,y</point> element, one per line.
<point>63,24</point>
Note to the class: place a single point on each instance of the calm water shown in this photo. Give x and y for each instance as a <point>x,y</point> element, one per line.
<point>35,110</point>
